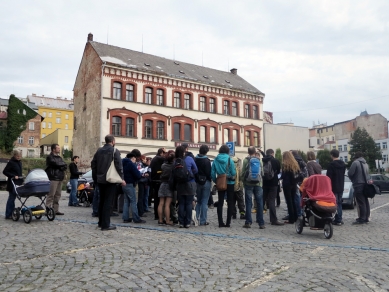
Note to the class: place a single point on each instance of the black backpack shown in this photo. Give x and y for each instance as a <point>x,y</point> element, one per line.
<point>180,172</point>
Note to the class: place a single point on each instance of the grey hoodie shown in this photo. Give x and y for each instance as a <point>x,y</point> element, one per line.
<point>355,173</point>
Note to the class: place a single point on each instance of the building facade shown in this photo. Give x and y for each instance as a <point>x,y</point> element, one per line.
<point>148,102</point>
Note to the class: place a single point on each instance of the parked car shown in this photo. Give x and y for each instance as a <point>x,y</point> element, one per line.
<point>86,177</point>
<point>381,181</point>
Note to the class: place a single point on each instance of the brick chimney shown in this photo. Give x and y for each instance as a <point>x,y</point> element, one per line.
<point>234,71</point>
<point>90,37</point>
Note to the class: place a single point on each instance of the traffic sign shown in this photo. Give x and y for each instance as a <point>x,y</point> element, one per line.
<point>231,145</point>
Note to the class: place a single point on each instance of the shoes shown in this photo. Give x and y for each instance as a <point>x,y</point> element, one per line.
<point>277,223</point>
<point>127,221</point>
<point>262,227</point>
<point>95,215</point>
<point>108,228</point>
<point>247,225</point>
<point>286,217</point>
<point>234,216</point>
<point>140,221</point>
<point>114,214</point>
<point>187,226</point>
<point>59,213</point>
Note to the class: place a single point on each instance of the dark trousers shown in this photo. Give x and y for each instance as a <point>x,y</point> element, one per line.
<point>363,203</point>
<point>154,190</point>
<point>290,194</point>
<point>107,192</point>
<point>141,194</point>
<point>239,198</point>
<point>230,204</point>
<point>271,195</point>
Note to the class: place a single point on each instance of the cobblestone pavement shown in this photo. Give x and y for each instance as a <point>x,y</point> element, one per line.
<point>70,253</point>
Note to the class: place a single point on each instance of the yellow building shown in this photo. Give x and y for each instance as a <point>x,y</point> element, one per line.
<point>64,138</point>
<point>57,113</point>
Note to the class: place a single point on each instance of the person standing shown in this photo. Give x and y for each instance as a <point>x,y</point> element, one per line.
<point>313,166</point>
<point>355,174</point>
<point>13,171</point>
<point>131,176</point>
<point>74,176</point>
<point>223,164</point>
<point>100,164</point>
<point>55,169</point>
<point>203,180</point>
<point>336,171</point>
<point>251,177</point>
<point>290,170</point>
<point>270,184</point>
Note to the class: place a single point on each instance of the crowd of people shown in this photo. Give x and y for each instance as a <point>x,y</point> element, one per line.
<point>178,183</point>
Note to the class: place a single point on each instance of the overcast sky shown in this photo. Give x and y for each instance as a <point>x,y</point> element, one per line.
<point>323,61</point>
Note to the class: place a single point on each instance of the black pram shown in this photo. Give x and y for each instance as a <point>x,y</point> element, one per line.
<point>36,184</point>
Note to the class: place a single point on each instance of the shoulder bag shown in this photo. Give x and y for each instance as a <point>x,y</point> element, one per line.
<point>112,175</point>
<point>369,190</point>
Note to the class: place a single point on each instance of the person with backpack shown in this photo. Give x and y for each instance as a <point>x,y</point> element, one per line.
<point>251,177</point>
<point>182,180</point>
<point>203,180</point>
<point>223,165</point>
<point>359,176</point>
<point>289,176</point>
<point>238,190</point>
<point>271,169</point>
<point>165,194</point>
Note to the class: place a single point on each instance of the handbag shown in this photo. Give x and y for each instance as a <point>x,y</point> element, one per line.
<point>112,175</point>
<point>221,180</point>
<point>369,190</point>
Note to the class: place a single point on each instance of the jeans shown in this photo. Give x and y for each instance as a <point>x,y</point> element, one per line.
<point>338,215</point>
<point>73,193</point>
<point>363,203</point>
<point>203,192</point>
<point>290,197</point>
<point>297,201</point>
<point>271,194</point>
<point>10,204</point>
<point>96,200</point>
<point>130,201</point>
<point>230,204</point>
<point>185,209</point>
<point>258,195</point>
<point>107,192</point>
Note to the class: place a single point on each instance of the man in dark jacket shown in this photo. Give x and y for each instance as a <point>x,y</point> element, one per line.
<point>55,169</point>
<point>13,171</point>
<point>155,165</point>
<point>100,165</point>
<point>270,186</point>
<point>335,172</point>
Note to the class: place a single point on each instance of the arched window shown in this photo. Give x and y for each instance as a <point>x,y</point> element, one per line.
<point>160,97</point>
<point>177,131</point>
<point>129,127</point>
<point>256,140</point>
<point>226,135</point>
<point>202,133</point>
<point>247,111</point>
<point>187,132</point>
<point>116,126</point>
<point>203,105</point>
<point>160,130</point>
<point>247,138</point>
<point>148,95</point>
<point>148,129</point>
<point>226,107</point>
<point>117,90</point>
<point>212,106</point>
<point>234,108</point>
<point>177,100</point>
<point>255,112</point>
<point>130,92</point>
<point>212,135</point>
<point>186,101</point>
<point>235,136</point>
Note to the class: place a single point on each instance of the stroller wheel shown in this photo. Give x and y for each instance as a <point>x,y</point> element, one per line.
<point>50,214</point>
<point>15,214</point>
<point>27,216</point>
<point>328,231</point>
<point>299,225</point>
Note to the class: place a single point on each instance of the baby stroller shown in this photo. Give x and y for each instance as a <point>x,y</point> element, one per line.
<point>85,193</point>
<point>318,204</point>
<point>36,184</point>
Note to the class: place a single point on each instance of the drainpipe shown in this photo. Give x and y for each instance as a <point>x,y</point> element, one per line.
<point>101,104</point>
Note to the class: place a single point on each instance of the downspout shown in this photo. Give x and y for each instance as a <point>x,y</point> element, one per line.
<point>101,104</point>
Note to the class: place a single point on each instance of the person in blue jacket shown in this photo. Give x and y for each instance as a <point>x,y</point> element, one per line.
<point>224,164</point>
<point>131,176</point>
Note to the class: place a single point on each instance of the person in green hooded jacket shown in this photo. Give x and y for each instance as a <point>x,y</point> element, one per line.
<point>224,164</point>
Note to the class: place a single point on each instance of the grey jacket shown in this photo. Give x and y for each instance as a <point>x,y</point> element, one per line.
<point>355,172</point>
